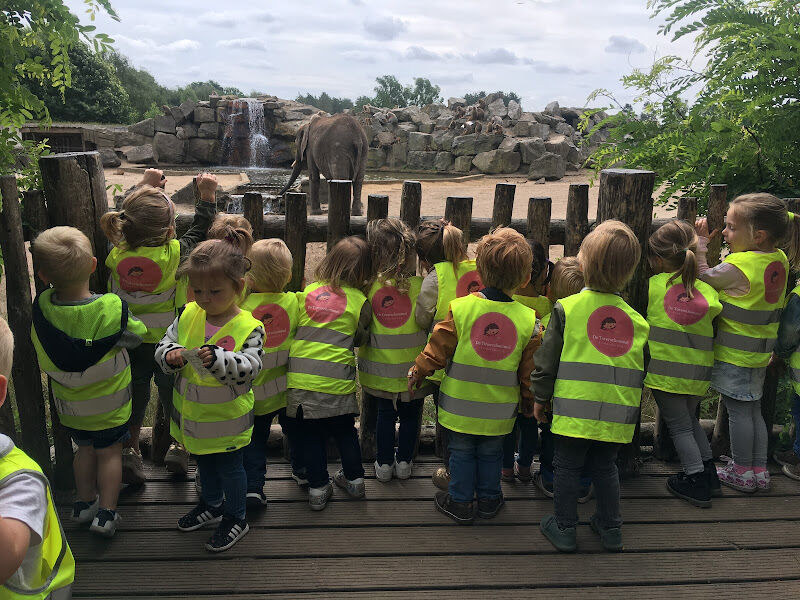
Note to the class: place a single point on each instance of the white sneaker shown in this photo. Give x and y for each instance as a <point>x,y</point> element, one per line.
<point>105,522</point>
<point>353,487</point>
<point>402,469</point>
<point>383,473</point>
<point>83,512</point>
<point>318,497</point>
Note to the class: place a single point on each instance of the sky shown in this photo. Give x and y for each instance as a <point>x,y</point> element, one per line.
<point>543,50</point>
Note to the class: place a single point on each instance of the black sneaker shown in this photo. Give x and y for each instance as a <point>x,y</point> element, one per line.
<point>85,512</point>
<point>105,522</point>
<point>256,499</point>
<point>229,531</point>
<point>489,507</point>
<point>692,488</point>
<point>460,512</point>
<point>710,471</point>
<point>200,516</point>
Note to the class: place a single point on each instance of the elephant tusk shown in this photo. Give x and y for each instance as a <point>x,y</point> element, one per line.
<point>294,162</point>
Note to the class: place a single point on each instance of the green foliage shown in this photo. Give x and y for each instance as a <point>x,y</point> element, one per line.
<point>742,126</point>
<point>359,102</point>
<point>325,102</point>
<point>473,97</point>
<point>389,92</point>
<point>424,92</point>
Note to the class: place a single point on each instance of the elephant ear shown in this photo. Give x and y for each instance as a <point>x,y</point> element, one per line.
<point>302,142</point>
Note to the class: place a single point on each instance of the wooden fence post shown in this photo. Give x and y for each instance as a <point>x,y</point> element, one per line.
<point>627,195</point>
<point>338,211</point>
<point>410,203</point>
<point>75,190</point>
<point>458,210</point>
<point>539,222</point>
<point>503,204</point>
<point>377,207</point>
<point>577,223</point>
<point>687,209</point>
<point>25,372</point>
<point>295,237</point>
<point>253,210</point>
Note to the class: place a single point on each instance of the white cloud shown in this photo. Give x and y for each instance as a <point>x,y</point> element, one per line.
<point>494,56</point>
<point>251,43</point>
<point>263,17</point>
<point>182,45</point>
<point>218,19</point>
<point>420,53</point>
<point>619,44</point>
<point>385,28</point>
<point>147,45</point>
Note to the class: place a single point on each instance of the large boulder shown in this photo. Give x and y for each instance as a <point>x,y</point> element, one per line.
<point>455,102</point>
<point>187,108</point>
<point>575,156</point>
<point>146,128</point>
<point>564,129</point>
<point>188,130</point>
<point>462,164</point>
<point>385,138</point>
<point>140,154</point>
<point>475,143</point>
<point>559,145</point>
<point>376,158</point>
<point>510,144</point>
<point>550,166</point>
<point>540,130</point>
<point>177,114</point>
<point>521,128</point>
<point>406,113</point>
<point>548,119</point>
<point>204,114</point>
<point>419,142</point>
<point>553,108</point>
<point>168,148</point>
<point>497,161</point>
<point>165,124</point>
<point>497,108</point>
<point>203,150</point>
<point>403,129</point>
<point>109,158</point>
<point>531,149</point>
<point>421,161</point>
<point>398,155</point>
<point>443,161</point>
<point>208,130</point>
<point>514,110</point>
<point>443,140</point>
<point>427,127</point>
<point>126,138</point>
<point>528,116</point>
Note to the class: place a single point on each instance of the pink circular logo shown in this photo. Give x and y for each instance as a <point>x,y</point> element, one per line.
<point>138,274</point>
<point>226,343</point>
<point>391,307</point>
<point>493,336</point>
<point>324,305</point>
<point>276,324</point>
<point>468,283</point>
<point>610,331</point>
<point>684,310</point>
<point>774,281</point>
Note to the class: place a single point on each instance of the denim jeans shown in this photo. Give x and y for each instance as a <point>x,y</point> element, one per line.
<point>739,383</point>
<point>689,438</point>
<point>143,369</point>
<point>315,435</point>
<point>254,455</point>
<point>475,463</point>
<point>293,432</point>
<point>748,432</point>
<point>223,477</point>
<point>526,429</point>
<point>409,413</point>
<point>796,417</point>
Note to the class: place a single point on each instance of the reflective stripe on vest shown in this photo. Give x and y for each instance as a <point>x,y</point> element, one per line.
<point>745,343</point>
<point>480,392</point>
<point>794,359</point>
<point>270,389</point>
<point>598,388</point>
<point>94,374</point>
<point>57,569</point>
<point>399,341</point>
<point>157,321</point>
<point>208,395</point>
<point>670,369</point>
<point>323,368</point>
<point>213,430</point>
<point>750,317</point>
<point>325,336</point>
<point>681,338</point>
<point>92,406</point>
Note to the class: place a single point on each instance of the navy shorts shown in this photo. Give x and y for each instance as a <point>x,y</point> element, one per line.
<point>102,438</point>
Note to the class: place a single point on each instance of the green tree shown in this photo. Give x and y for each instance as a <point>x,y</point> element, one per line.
<point>330,104</point>
<point>390,92</point>
<point>424,92</point>
<point>142,88</point>
<point>473,97</point>
<point>359,102</point>
<point>736,120</point>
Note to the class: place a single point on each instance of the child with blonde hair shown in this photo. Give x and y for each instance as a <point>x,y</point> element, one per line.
<point>395,340</point>
<point>143,263</point>
<point>589,373</point>
<point>215,348</point>
<point>334,318</point>
<point>234,228</point>
<point>82,340</point>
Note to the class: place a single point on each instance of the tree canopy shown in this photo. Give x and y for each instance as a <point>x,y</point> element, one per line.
<point>473,97</point>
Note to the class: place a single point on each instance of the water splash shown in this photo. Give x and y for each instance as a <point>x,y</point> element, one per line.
<point>259,143</point>
<point>234,205</point>
<point>246,147</point>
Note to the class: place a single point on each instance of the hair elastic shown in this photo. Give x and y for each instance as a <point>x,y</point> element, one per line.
<point>791,215</point>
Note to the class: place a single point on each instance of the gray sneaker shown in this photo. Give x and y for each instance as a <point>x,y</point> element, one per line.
<point>176,460</point>
<point>354,488</point>
<point>318,497</point>
<point>132,467</point>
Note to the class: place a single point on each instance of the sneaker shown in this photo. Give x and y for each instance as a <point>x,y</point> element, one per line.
<point>544,483</point>
<point>692,488</point>
<point>318,497</point>
<point>793,471</point>
<point>256,499</point>
<point>585,492</point>
<point>710,469</point>
<point>383,473</point>
<point>85,512</point>
<point>132,467</point>
<point>354,488</point>
<point>228,532</point>
<point>105,522</point>
<point>402,469</point>
<point>460,512</point>
<point>786,457</point>
<point>522,473</point>
<point>176,460</point>
<point>300,478</point>
<point>200,516</point>
<point>762,481</point>
<point>610,537</point>
<point>732,476</point>
<point>563,540</point>
<point>489,507</point>
<point>441,478</point>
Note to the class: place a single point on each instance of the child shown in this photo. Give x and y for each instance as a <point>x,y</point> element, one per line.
<point>212,413</point>
<point>449,275</point>
<point>681,313</point>
<point>751,282</point>
<point>277,310</point>
<point>234,228</point>
<point>36,561</point>
<point>334,319</point>
<point>143,264</point>
<point>535,294</point>
<point>591,368</point>
<point>395,341</point>
<point>90,380</point>
<point>487,342</point>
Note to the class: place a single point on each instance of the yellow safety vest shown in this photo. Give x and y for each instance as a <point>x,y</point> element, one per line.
<point>145,278</point>
<point>209,417</point>
<point>57,570</point>
<point>540,304</point>
<point>681,340</point>
<point>599,381</point>
<point>321,357</point>
<point>794,360</point>
<point>98,397</point>
<point>748,325</point>
<point>278,313</point>
<point>395,339</point>
<point>480,391</point>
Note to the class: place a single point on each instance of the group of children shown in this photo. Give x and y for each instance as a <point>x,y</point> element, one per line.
<point>508,343</point>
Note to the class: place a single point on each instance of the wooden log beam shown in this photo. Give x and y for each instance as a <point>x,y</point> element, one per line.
<point>539,222</point>
<point>687,209</point>
<point>717,207</point>
<point>377,207</point>
<point>458,210</point>
<point>410,203</point>
<point>253,210</point>
<point>503,204</point>
<point>338,211</point>
<point>295,235</point>
<point>577,222</point>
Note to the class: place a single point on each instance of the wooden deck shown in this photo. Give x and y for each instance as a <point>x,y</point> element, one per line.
<point>396,545</point>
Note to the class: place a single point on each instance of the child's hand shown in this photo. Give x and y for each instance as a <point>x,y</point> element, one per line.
<point>414,382</point>
<point>207,356</point>
<point>154,178</point>
<point>174,358</point>
<point>701,227</point>
<point>540,412</point>
<point>207,186</point>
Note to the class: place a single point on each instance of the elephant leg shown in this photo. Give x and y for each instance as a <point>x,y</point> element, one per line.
<point>313,188</point>
<point>357,208</point>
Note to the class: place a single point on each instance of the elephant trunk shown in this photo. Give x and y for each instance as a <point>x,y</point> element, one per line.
<point>297,167</point>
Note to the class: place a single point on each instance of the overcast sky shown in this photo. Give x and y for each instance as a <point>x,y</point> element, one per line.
<point>542,49</point>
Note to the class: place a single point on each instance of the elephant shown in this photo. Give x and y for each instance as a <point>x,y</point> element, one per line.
<point>336,147</point>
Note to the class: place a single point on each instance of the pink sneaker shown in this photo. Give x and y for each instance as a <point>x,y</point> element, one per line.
<point>736,477</point>
<point>762,480</point>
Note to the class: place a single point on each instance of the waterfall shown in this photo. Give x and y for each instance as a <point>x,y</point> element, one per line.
<point>259,144</point>
<point>246,142</point>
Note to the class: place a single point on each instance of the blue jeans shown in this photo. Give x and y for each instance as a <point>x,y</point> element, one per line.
<point>796,417</point>
<point>294,435</point>
<point>475,463</point>
<point>143,369</point>
<point>739,383</point>
<point>384,430</point>
<point>315,436</point>
<point>224,478</point>
<point>528,432</point>
<point>254,455</point>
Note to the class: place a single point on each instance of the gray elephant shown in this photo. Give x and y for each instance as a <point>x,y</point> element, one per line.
<point>336,147</point>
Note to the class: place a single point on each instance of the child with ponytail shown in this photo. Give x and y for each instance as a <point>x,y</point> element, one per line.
<point>681,312</point>
<point>143,263</point>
